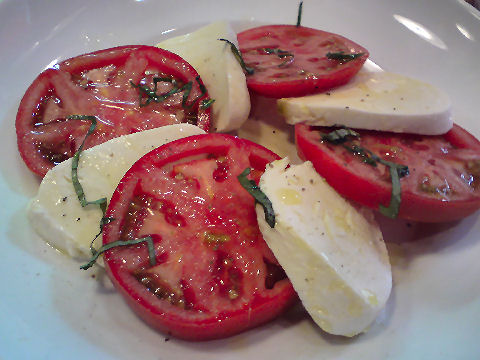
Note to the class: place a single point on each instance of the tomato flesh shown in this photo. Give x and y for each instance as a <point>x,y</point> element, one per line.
<point>444,171</point>
<point>291,61</point>
<point>214,274</point>
<point>100,84</point>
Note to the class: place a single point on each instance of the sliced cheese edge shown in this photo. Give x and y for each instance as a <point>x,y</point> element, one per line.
<point>219,70</point>
<point>56,214</point>
<point>333,254</point>
<point>380,101</point>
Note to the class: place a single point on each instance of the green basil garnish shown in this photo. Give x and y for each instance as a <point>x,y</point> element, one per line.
<point>342,56</point>
<point>339,136</point>
<point>147,239</point>
<point>151,93</point>
<point>396,196</point>
<point>258,195</point>
<point>397,171</point>
<point>205,104</point>
<point>299,15</point>
<point>249,70</point>
<point>102,203</point>
<point>281,54</point>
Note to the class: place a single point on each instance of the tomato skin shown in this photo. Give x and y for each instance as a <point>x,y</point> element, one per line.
<point>309,72</point>
<point>255,307</point>
<point>353,184</point>
<point>46,137</point>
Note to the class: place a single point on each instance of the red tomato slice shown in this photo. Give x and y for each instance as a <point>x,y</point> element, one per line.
<point>214,274</point>
<point>444,171</point>
<point>100,84</point>
<point>291,61</point>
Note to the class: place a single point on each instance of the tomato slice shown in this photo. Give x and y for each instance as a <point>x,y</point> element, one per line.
<point>214,274</point>
<point>290,61</point>
<point>444,171</point>
<point>105,84</point>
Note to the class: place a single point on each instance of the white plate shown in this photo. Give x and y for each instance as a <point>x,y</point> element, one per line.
<point>49,309</point>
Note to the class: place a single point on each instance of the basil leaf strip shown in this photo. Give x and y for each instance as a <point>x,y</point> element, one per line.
<point>339,136</point>
<point>102,203</point>
<point>396,196</point>
<point>147,239</point>
<point>397,171</point>
<point>258,195</point>
<point>205,104</point>
<point>152,93</point>
<point>281,54</point>
<point>343,56</point>
<point>249,70</point>
<point>299,15</point>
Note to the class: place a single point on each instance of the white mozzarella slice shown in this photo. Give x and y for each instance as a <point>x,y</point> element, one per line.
<point>333,254</point>
<point>381,101</point>
<point>219,70</point>
<point>56,214</point>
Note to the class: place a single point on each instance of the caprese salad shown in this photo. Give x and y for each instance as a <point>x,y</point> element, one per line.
<point>206,234</point>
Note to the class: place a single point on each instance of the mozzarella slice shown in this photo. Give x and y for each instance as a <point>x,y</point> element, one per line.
<point>333,254</point>
<point>377,101</point>
<point>56,214</point>
<point>219,70</point>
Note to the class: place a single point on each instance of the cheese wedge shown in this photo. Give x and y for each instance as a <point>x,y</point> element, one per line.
<point>219,70</point>
<point>381,101</point>
<point>56,214</point>
<point>333,254</point>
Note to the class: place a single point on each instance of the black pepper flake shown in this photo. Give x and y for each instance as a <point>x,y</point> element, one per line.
<point>274,131</point>
<point>311,181</point>
<point>64,199</point>
<point>367,94</point>
<point>362,100</point>
<point>92,276</point>
<point>347,107</point>
<point>328,94</point>
<point>64,215</point>
<point>303,189</point>
<point>167,339</point>
<point>78,219</point>
<point>394,108</point>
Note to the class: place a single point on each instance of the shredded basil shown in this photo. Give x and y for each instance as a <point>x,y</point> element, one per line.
<point>339,136</point>
<point>397,171</point>
<point>102,203</point>
<point>205,104</point>
<point>342,56</point>
<point>249,70</point>
<point>259,196</point>
<point>151,93</point>
<point>299,15</point>
<point>281,54</point>
<point>147,239</point>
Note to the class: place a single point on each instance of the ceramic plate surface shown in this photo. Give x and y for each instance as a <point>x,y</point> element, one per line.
<point>49,309</point>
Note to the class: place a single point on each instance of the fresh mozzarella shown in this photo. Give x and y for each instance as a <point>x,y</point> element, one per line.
<point>377,101</point>
<point>219,70</point>
<point>56,214</point>
<point>333,254</point>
